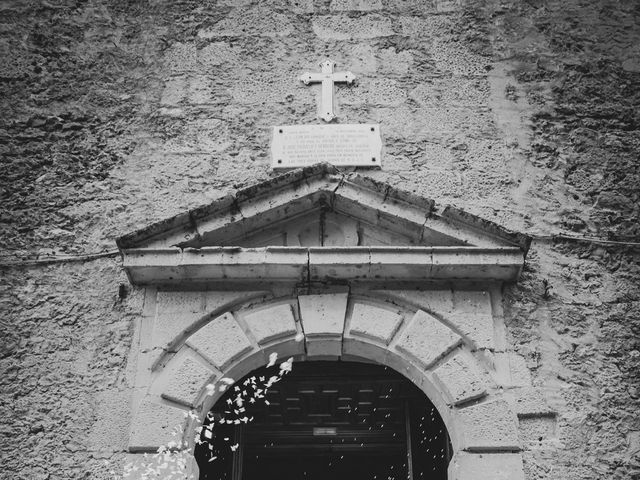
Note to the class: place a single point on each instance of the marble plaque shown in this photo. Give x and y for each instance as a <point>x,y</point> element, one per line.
<point>341,145</point>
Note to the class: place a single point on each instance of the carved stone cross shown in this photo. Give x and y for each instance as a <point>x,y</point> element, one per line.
<point>328,77</point>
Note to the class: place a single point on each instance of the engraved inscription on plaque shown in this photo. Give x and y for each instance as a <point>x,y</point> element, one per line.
<point>341,145</point>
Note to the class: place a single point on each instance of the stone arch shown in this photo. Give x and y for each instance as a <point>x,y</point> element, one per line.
<point>438,348</point>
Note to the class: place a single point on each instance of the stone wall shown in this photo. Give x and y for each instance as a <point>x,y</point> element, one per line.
<point>117,114</point>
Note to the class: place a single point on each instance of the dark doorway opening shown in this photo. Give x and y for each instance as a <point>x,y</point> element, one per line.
<point>326,420</point>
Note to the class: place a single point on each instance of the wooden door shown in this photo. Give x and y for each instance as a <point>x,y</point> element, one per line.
<point>337,420</point>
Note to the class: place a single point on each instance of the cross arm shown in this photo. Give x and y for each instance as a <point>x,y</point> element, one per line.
<point>344,77</point>
<point>309,77</point>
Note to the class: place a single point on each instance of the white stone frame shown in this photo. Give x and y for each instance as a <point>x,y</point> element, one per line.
<point>432,307</point>
<point>445,341</point>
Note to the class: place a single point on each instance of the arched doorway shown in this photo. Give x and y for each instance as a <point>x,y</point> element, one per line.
<point>338,420</point>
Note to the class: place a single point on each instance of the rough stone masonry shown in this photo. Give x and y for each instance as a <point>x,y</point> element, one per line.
<point>117,114</point>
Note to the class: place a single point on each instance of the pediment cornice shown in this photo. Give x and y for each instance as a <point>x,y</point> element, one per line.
<point>205,244</point>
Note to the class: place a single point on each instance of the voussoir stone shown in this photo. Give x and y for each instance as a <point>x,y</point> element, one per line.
<point>459,378</point>
<point>176,312</point>
<point>323,315</point>
<point>271,323</point>
<point>185,381</point>
<point>426,339</point>
<point>323,318</point>
<point>221,340</point>
<point>154,424</point>
<point>489,426</point>
<point>374,322</point>
<point>494,466</point>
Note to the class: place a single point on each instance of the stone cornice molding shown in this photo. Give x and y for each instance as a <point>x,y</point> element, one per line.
<point>174,266</point>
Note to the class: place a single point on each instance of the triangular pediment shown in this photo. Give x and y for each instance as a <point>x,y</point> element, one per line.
<point>318,224</point>
<point>320,206</point>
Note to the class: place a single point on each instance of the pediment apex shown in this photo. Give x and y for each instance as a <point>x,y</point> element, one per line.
<point>298,196</point>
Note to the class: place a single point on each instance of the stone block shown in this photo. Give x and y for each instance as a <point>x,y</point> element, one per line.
<point>253,21</point>
<point>361,349</point>
<point>356,5</point>
<point>460,379</point>
<point>530,402</point>
<point>111,426</point>
<point>323,315</point>
<point>426,339</point>
<point>167,327</point>
<point>153,425</point>
<point>511,370</point>
<point>324,347</point>
<point>177,312</point>
<point>180,302</point>
<point>436,301</point>
<point>479,328</point>
<point>221,340</point>
<point>301,6</point>
<point>291,347</point>
<point>271,323</point>
<point>537,431</point>
<point>489,426</point>
<point>175,90</point>
<point>200,90</point>
<point>181,57</point>
<point>345,28</point>
<point>138,466</point>
<point>215,54</point>
<point>448,6</point>
<point>475,302</point>
<point>386,92</point>
<point>494,466</point>
<point>469,311</point>
<point>374,322</point>
<point>185,379</point>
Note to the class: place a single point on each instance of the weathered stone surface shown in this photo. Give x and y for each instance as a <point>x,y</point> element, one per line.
<point>286,348</point>
<point>271,323</point>
<point>489,426</point>
<point>460,379</point>
<point>537,432</point>
<point>426,339</point>
<point>479,328</point>
<point>324,347</point>
<point>175,91</point>
<point>221,340</point>
<point>323,315</point>
<point>363,349</point>
<point>323,318</point>
<point>154,424</point>
<point>253,21</point>
<point>177,311</point>
<point>446,6</point>
<point>184,381</point>
<point>472,314</point>
<point>179,302</point>
<point>344,28</point>
<point>356,5</point>
<point>437,301</point>
<point>511,370</point>
<point>549,145</point>
<point>110,432</point>
<point>469,311</point>
<point>472,301</point>
<point>530,402</point>
<point>374,322</point>
<point>487,466</point>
